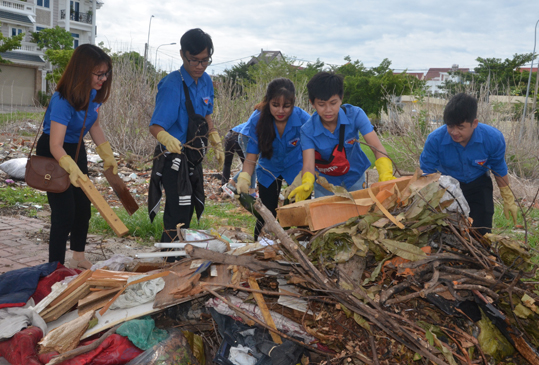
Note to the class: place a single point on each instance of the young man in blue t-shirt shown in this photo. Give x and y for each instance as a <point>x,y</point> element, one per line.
<point>466,150</point>
<point>184,190</point>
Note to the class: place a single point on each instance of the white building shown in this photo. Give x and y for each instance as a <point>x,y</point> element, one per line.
<point>21,80</point>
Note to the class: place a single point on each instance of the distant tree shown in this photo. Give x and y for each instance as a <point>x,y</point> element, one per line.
<point>53,38</point>
<point>237,72</point>
<point>312,69</point>
<point>370,88</point>
<point>9,43</point>
<point>59,58</point>
<point>501,77</point>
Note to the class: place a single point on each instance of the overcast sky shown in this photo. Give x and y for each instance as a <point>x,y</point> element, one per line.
<point>413,35</point>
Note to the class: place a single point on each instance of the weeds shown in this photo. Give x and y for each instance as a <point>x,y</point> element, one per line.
<point>12,196</point>
<point>215,215</point>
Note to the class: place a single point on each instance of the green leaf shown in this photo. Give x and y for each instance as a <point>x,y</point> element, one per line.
<point>430,337</point>
<point>375,272</point>
<point>362,322</point>
<point>522,311</point>
<point>417,357</point>
<point>404,250</point>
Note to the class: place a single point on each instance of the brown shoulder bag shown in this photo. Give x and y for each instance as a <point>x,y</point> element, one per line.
<point>44,173</point>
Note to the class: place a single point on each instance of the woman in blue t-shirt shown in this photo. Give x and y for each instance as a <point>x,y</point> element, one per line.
<point>83,88</point>
<point>273,130</point>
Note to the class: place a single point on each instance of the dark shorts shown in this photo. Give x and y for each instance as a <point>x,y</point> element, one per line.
<point>479,195</point>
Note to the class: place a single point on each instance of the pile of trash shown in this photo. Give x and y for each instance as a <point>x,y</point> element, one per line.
<point>390,274</point>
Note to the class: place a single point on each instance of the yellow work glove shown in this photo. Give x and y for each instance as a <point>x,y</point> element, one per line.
<point>385,169</point>
<point>244,181</point>
<point>67,163</point>
<point>294,185</point>
<point>215,141</point>
<point>509,205</point>
<point>171,143</point>
<point>303,191</point>
<point>105,152</point>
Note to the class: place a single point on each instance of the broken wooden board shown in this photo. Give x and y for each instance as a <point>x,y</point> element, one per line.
<point>179,273</point>
<point>323,212</point>
<point>65,337</point>
<point>118,185</point>
<point>104,209</point>
<point>69,302</point>
<point>264,309</point>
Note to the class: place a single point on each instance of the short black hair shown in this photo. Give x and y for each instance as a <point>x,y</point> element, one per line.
<point>196,41</point>
<point>461,108</point>
<point>324,85</point>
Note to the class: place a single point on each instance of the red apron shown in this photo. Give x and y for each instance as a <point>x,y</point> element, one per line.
<point>338,163</point>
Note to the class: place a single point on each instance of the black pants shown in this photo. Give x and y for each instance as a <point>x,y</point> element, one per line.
<point>70,210</point>
<point>270,198</point>
<point>479,195</point>
<point>177,209</point>
<point>231,146</point>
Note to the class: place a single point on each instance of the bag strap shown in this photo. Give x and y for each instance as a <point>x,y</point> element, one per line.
<point>341,132</point>
<point>80,138</point>
<point>188,102</point>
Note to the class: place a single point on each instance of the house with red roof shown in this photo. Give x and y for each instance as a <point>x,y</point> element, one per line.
<point>436,77</point>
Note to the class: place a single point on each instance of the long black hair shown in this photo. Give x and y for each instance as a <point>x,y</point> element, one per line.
<point>277,88</point>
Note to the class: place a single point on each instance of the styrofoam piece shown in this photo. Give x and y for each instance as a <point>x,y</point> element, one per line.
<point>196,244</point>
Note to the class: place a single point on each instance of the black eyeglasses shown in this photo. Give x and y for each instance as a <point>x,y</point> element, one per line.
<point>197,62</point>
<point>103,75</point>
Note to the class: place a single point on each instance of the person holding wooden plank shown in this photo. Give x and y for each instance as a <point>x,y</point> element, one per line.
<point>330,141</point>
<point>183,104</point>
<point>73,111</point>
<point>466,150</point>
<point>273,132</point>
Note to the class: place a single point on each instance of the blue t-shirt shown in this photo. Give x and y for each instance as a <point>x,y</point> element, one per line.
<point>60,111</point>
<point>287,160</point>
<point>170,111</point>
<point>243,128</point>
<point>486,149</point>
<point>315,136</point>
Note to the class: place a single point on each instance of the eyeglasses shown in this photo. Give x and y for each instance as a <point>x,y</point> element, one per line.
<point>103,75</point>
<point>197,62</point>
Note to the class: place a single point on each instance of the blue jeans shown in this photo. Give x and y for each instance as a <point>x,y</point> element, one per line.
<point>243,140</point>
<point>319,191</point>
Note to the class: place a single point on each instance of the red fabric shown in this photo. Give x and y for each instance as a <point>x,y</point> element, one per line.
<point>21,348</point>
<point>45,284</point>
<point>337,165</point>
<point>115,350</point>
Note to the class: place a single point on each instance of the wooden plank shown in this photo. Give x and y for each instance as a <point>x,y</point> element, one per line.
<point>95,305</point>
<point>264,309</point>
<point>72,286</point>
<point>118,186</point>
<point>104,209</point>
<point>67,304</point>
<point>95,296</point>
<point>180,272</point>
<point>149,277</point>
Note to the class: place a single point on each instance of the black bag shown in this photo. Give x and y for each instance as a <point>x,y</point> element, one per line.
<point>196,144</point>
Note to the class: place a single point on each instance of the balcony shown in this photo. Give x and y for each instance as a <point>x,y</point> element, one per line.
<point>28,47</point>
<point>77,16</point>
<point>21,7</point>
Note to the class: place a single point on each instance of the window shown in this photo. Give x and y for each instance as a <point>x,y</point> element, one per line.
<point>15,31</point>
<point>75,39</point>
<point>39,29</point>
<point>44,3</point>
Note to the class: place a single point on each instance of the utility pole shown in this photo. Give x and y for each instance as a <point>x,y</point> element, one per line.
<point>147,49</point>
<point>528,88</point>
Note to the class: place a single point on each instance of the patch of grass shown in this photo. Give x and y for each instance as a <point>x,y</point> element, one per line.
<point>18,116</point>
<point>13,195</point>
<point>391,150</point>
<point>504,226</point>
<point>215,215</point>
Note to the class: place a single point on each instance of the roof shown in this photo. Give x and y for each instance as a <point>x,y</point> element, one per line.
<point>266,56</point>
<point>15,17</point>
<point>523,68</point>
<point>21,57</point>
<point>435,72</point>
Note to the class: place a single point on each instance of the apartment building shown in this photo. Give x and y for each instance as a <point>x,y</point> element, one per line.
<point>21,80</point>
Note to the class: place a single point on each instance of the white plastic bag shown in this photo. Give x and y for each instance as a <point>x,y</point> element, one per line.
<point>15,168</point>
<point>454,192</point>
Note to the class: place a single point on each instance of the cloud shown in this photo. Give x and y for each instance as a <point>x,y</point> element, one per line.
<point>414,35</point>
